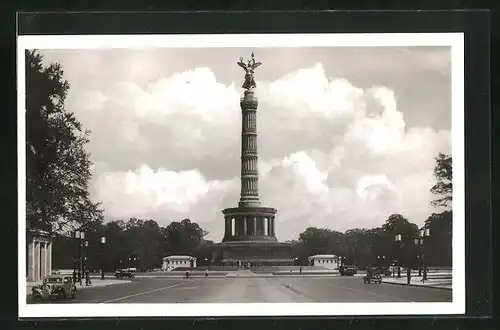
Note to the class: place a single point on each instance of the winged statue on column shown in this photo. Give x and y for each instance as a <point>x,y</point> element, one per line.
<point>249,68</point>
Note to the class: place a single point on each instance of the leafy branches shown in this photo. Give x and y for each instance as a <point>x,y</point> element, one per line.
<point>444,185</point>
<point>58,165</point>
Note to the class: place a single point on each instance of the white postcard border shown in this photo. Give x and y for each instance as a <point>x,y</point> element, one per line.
<point>454,40</point>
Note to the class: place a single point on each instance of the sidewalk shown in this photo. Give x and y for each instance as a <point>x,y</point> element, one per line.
<point>441,283</point>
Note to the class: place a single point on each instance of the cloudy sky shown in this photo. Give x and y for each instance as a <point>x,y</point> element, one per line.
<point>346,137</point>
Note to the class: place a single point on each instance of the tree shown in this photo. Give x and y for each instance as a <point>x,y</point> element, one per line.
<point>396,224</point>
<point>58,166</point>
<point>440,240</point>
<point>444,185</point>
<point>315,240</point>
<point>183,237</point>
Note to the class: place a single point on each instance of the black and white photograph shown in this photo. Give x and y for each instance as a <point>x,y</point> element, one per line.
<point>241,175</point>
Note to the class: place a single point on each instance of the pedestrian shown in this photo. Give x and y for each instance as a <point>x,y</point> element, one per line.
<point>300,269</point>
<point>187,273</point>
<point>87,277</point>
<point>206,273</point>
<point>74,275</point>
<point>408,275</point>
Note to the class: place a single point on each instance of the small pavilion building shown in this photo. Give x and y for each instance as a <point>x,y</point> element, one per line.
<point>329,261</point>
<point>172,262</point>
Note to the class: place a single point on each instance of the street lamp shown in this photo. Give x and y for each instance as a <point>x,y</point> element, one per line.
<point>397,239</point>
<point>77,258</point>
<point>103,241</point>
<point>80,236</point>
<point>381,261</point>
<point>419,241</point>
<point>85,263</point>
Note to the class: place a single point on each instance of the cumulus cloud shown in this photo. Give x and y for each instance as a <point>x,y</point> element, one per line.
<point>332,154</point>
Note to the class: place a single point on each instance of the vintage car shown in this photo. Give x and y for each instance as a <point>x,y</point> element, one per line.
<point>372,275</point>
<point>54,286</point>
<point>121,273</point>
<point>348,270</point>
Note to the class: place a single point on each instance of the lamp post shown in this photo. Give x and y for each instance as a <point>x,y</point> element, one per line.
<point>82,252</point>
<point>78,255</point>
<point>134,263</point>
<point>420,241</point>
<point>381,261</point>
<point>103,241</point>
<point>84,262</point>
<point>397,239</point>
<point>80,236</point>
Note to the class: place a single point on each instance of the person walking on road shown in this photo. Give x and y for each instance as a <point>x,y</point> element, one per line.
<point>206,273</point>
<point>87,277</point>
<point>187,273</point>
<point>74,275</point>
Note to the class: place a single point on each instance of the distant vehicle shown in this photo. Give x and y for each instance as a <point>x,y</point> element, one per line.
<point>121,273</point>
<point>372,275</point>
<point>54,286</point>
<point>348,270</point>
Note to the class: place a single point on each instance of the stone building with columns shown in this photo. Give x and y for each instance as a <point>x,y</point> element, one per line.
<point>38,254</point>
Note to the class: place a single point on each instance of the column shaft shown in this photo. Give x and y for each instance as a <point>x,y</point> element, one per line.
<point>36,263</point>
<point>244,226</point>
<point>255,226</point>
<point>47,259</point>
<point>50,258</point>
<point>44,259</point>
<point>31,256</point>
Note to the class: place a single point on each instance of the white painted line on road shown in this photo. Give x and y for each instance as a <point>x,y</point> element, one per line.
<point>146,292</point>
<point>368,292</point>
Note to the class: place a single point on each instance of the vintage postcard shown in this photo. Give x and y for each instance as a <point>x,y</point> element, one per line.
<point>241,175</point>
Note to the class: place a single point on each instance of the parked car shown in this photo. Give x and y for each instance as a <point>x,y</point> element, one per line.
<point>121,273</point>
<point>54,286</point>
<point>348,270</point>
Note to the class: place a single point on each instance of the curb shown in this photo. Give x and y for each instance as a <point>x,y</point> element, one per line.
<point>420,286</point>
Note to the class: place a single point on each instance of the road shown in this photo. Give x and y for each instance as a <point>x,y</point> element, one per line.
<point>257,290</point>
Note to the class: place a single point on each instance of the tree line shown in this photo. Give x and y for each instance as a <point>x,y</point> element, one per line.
<point>133,243</point>
<point>377,246</point>
<point>143,243</point>
<point>58,173</point>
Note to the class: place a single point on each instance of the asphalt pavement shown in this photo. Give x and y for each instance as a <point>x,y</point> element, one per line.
<point>256,290</point>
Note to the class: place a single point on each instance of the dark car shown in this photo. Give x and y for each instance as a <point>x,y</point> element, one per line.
<point>372,275</point>
<point>348,270</point>
<point>121,273</point>
<point>54,286</point>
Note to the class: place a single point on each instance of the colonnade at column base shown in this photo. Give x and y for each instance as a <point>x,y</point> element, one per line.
<point>249,223</point>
